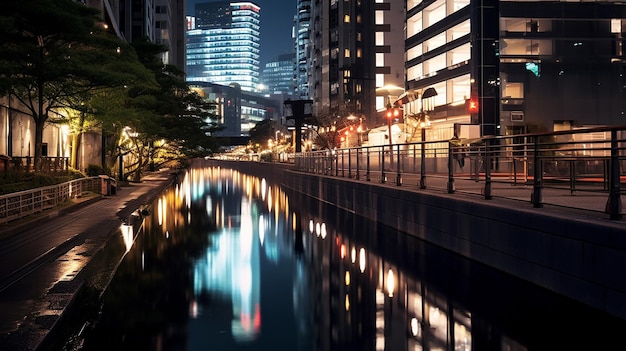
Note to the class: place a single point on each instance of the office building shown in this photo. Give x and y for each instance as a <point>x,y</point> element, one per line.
<point>223,44</point>
<point>512,67</point>
<point>238,110</point>
<point>357,56</point>
<point>278,76</point>
<point>301,37</point>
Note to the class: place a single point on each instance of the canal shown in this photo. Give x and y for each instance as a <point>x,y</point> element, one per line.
<point>228,261</point>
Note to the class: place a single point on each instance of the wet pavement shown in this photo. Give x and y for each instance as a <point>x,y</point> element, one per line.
<point>43,260</point>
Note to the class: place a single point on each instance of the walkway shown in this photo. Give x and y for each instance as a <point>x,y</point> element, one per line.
<point>41,260</point>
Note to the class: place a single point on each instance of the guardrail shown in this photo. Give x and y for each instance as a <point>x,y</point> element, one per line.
<point>545,165</point>
<point>24,203</point>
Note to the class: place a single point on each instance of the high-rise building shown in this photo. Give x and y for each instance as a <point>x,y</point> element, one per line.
<point>301,37</point>
<point>278,76</point>
<point>356,56</point>
<point>223,45</point>
<point>170,30</point>
<point>512,67</point>
<point>160,21</point>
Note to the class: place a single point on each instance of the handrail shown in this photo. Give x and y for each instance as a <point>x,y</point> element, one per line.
<point>538,168</point>
<point>24,203</point>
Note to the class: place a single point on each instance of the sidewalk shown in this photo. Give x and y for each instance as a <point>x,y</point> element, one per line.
<point>45,259</point>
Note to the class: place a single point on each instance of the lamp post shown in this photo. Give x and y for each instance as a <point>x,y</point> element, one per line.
<point>391,114</point>
<point>423,123</point>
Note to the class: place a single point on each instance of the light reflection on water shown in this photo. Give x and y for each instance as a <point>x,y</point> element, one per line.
<point>226,262</point>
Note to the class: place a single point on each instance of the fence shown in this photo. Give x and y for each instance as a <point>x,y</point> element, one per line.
<point>27,164</point>
<point>530,167</point>
<point>21,204</point>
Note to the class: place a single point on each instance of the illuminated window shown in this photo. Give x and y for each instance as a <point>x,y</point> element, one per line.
<point>414,72</point>
<point>435,64</point>
<point>459,88</point>
<point>616,25</point>
<point>434,42</point>
<point>346,53</point>
<point>380,80</point>
<point>513,90</point>
<point>434,13</point>
<point>458,31</point>
<point>414,52</point>
<point>380,17</point>
<point>380,60</point>
<point>526,47</point>
<point>346,18</point>
<point>414,25</point>
<point>459,54</point>
<point>380,38</point>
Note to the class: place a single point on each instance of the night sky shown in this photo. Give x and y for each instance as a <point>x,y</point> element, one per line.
<point>276,23</point>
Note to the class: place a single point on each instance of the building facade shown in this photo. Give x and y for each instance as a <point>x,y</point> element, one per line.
<point>223,44</point>
<point>512,67</point>
<point>238,110</point>
<point>278,76</point>
<point>301,38</point>
<point>356,56</point>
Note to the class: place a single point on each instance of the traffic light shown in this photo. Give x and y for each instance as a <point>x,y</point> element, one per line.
<point>472,105</point>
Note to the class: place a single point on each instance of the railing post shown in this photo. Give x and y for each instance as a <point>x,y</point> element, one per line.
<point>572,176</point>
<point>423,161</point>
<point>614,203</point>
<point>343,163</point>
<point>367,171</point>
<point>349,163</point>
<point>487,164</point>
<point>536,198</point>
<point>357,163</point>
<point>383,177</point>
<point>336,164</point>
<point>450,169</point>
<point>398,174</point>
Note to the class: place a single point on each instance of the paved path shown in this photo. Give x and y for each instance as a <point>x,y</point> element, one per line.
<point>41,259</point>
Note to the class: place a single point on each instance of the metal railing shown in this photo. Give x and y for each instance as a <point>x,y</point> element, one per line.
<point>540,168</point>
<point>24,203</point>
<point>27,164</point>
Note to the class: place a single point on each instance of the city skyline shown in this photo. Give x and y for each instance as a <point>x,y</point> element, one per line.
<point>276,22</point>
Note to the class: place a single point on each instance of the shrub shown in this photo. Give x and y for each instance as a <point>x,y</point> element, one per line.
<point>95,170</point>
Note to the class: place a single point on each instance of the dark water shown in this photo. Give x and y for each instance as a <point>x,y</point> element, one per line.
<point>232,262</point>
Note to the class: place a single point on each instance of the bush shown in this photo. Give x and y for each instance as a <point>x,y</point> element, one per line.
<point>95,170</point>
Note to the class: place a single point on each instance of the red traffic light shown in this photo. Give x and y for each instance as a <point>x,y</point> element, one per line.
<point>472,106</point>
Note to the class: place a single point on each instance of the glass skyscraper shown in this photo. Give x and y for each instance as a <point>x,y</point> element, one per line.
<point>223,45</point>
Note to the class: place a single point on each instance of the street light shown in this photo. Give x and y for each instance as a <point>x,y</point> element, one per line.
<point>424,122</point>
<point>391,113</point>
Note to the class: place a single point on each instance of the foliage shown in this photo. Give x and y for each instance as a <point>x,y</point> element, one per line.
<point>95,170</point>
<point>262,132</point>
<point>328,123</point>
<point>170,121</point>
<point>11,182</point>
<point>54,54</point>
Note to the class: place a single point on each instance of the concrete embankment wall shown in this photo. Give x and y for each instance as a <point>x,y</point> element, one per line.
<point>576,256</point>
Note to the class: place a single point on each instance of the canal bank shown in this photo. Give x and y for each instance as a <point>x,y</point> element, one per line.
<point>45,301</point>
<point>578,256</point>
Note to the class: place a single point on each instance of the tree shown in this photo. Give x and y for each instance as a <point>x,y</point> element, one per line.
<point>55,53</point>
<point>327,125</point>
<point>173,122</point>
<point>262,132</point>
